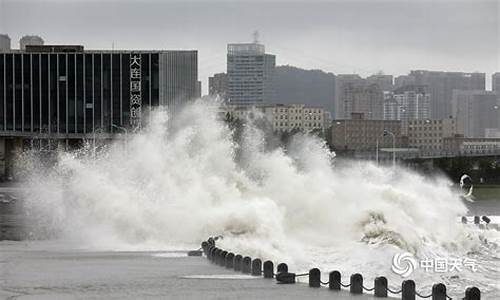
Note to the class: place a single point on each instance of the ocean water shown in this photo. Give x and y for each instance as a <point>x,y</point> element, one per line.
<point>180,181</point>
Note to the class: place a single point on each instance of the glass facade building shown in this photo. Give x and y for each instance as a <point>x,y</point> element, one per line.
<point>65,92</point>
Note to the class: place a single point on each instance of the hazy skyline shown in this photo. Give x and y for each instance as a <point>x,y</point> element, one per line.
<point>336,36</point>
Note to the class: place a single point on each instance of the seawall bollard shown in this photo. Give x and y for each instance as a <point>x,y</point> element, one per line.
<point>356,284</point>
<point>223,258</point>
<point>285,277</point>
<point>213,254</point>
<point>209,252</point>
<point>408,290</point>
<point>314,277</point>
<point>246,265</point>
<point>222,261</point>
<point>256,267</point>
<point>218,254</point>
<point>237,262</point>
<point>230,260</point>
<point>282,268</point>
<point>439,292</point>
<point>268,269</point>
<point>380,287</point>
<point>334,281</point>
<point>472,293</point>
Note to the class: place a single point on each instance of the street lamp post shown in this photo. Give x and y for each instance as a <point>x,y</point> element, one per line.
<point>124,130</point>
<point>99,130</point>
<point>386,132</point>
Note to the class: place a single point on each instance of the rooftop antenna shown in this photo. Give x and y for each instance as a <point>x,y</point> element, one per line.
<point>256,37</point>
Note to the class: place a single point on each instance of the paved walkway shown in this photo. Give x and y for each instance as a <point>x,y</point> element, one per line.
<point>34,270</point>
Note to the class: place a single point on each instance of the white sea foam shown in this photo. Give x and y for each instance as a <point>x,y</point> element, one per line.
<point>178,182</point>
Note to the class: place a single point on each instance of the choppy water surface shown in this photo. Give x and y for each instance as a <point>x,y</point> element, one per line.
<point>178,182</point>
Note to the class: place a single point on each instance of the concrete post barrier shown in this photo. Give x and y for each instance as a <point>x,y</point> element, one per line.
<point>268,269</point>
<point>222,260</point>
<point>356,284</point>
<point>204,246</point>
<point>334,278</point>
<point>439,292</point>
<point>380,287</point>
<point>257,267</point>
<point>408,290</point>
<point>314,277</point>
<point>282,268</point>
<point>237,262</point>
<point>230,260</point>
<point>246,265</point>
<point>472,293</point>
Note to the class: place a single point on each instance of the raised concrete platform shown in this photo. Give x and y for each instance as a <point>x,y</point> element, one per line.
<point>40,270</point>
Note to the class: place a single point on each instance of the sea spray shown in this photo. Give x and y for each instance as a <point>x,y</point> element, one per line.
<point>183,179</point>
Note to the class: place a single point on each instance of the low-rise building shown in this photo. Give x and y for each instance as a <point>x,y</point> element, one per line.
<point>428,135</point>
<point>284,118</point>
<point>460,145</point>
<point>360,135</point>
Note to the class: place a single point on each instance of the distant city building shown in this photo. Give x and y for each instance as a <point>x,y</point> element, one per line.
<point>361,135</point>
<point>460,145</point>
<point>284,118</point>
<point>4,42</point>
<point>428,135</point>
<point>384,82</point>
<point>495,83</point>
<point>62,92</point>
<point>358,96</point>
<point>250,72</point>
<point>343,82</point>
<point>217,85</point>
<point>440,86</point>
<point>32,40</point>
<point>407,103</point>
<point>476,111</point>
<point>404,80</point>
<point>492,133</point>
<point>198,89</point>
<point>311,87</point>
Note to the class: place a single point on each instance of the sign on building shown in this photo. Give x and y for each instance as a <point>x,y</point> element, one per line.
<point>135,90</point>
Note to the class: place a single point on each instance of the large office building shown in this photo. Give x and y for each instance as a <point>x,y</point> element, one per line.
<point>249,74</point>
<point>60,95</point>
<point>477,112</point>
<point>64,90</point>
<point>440,86</point>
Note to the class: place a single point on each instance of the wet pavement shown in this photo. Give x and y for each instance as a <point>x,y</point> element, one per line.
<point>38,270</point>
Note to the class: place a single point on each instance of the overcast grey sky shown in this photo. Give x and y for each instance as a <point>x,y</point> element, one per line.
<point>361,36</point>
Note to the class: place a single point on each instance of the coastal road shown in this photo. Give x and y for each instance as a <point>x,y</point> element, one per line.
<point>42,270</point>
